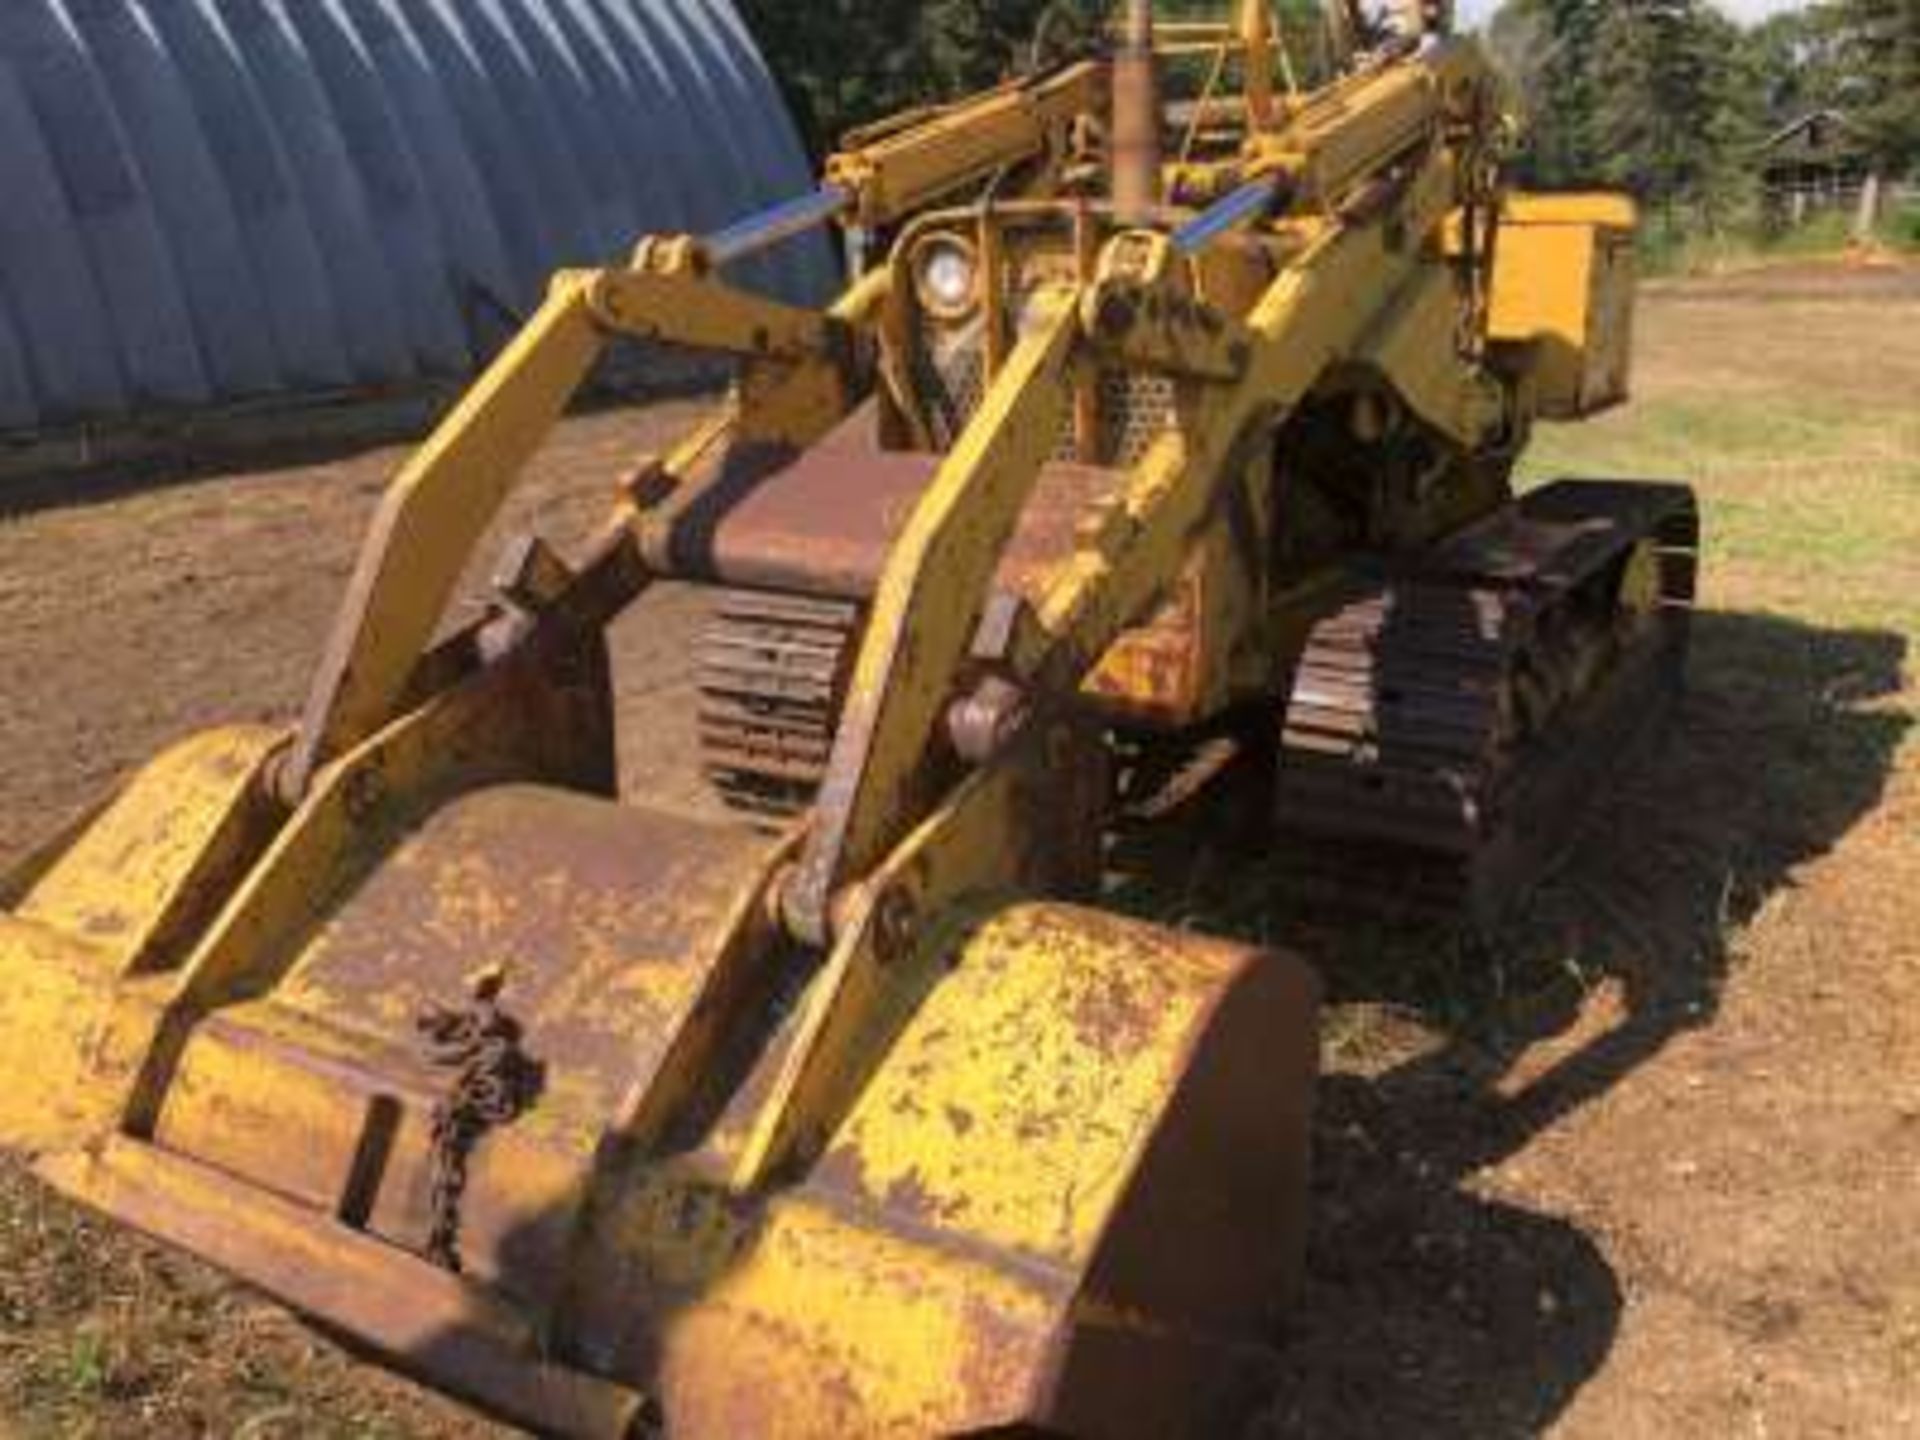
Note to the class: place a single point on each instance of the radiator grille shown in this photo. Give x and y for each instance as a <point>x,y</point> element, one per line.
<point>949,372</point>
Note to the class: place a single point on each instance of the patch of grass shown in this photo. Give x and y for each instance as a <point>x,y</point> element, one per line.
<point>103,1335</point>
<point>1903,229</point>
<point>1689,249</point>
<point>1807,478</point>
<point>1730,434</point>
<point>86,1365</point>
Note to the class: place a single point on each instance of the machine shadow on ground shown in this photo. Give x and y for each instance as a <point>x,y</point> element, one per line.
<point>1431,1309</point>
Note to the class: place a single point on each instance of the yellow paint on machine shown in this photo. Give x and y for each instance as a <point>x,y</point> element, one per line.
<point>86,954</point>
<point>1563,282</point>
<point>852,1123</point>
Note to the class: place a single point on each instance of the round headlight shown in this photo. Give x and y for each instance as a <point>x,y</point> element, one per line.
<point>947,276</point>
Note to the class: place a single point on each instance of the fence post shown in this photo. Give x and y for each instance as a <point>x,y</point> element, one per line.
<point>1866,219</point>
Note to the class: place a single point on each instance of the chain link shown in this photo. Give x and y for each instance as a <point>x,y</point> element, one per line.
<point>494,1083</point>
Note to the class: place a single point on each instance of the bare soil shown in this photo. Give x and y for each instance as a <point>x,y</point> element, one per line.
<point>1647,1166</point>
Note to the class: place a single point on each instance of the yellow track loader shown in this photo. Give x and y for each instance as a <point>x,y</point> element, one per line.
<point>1149,422</point>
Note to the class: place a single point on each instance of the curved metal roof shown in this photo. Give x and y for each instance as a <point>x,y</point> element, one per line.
<point>204,200</point>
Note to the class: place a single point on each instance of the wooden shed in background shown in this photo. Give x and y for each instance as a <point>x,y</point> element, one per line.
<point>1819,162</point>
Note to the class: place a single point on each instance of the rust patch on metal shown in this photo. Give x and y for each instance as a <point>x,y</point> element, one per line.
<point>1114,1015</point>
<point>843,1169</point>
<point>596,912</point>
<point>824,522</point>
<point>996,1366</point>
<point>909,1197</point>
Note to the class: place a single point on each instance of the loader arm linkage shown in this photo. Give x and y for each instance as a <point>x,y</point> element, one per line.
<point>918,668</point>
<point>804,372</point>
<point>833,1107</point>
<point>441,505</point>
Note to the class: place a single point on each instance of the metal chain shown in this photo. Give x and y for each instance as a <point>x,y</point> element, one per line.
<point>494,1083</point>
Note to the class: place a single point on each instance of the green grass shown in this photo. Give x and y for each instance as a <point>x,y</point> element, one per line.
<point>1780,481</point>
<point>1808,470</point>
<point>1687,249</point>
<point>1718,434</point>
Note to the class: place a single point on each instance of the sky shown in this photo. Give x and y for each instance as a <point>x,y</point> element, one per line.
<point>1473,11</point>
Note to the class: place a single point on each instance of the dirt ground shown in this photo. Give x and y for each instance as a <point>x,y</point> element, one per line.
<point>1649,1166</point>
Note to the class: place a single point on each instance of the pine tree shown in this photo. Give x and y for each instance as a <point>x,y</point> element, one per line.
<point>1546,49</point>
<point>1567,145</point>
<point>1736,121</point>
<point>1669,121</point>
<point>1881,42</point>
<point>1796,64</point>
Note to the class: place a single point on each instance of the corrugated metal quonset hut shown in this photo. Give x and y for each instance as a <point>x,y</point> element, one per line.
<point>207,201</point>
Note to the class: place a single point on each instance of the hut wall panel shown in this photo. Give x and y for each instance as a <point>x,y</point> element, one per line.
<point>208,201</point>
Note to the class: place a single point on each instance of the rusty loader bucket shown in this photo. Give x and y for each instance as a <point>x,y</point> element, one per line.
<point>611,1118</point>
<point>468,1060</point>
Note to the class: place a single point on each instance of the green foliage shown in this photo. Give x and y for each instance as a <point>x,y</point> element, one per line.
<point>1667,121</point>
<point>846,62</point>
<point>1671,100</point>
<point>1880,43</point>
<point>1548,48</point>
<point>1903,230</point>
<point>1685,249</point>
<point>1798,63</point>
<point>1660,97</point>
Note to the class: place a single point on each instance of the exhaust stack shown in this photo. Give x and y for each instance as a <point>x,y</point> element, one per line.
<point>1256,38</point>
<point>1136,119</point>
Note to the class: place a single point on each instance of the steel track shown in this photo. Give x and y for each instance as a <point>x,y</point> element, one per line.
<point>1447,725</point>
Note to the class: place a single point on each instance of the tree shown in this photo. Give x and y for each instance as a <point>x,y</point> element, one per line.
<point>1658,97</point>
<point>1546,49</point>
<point>1521,41</point>
<point>838,61</point>
<point>1797,63</point>
<point>1669,120</point>
<point>970,44</point>
<point>845,62</point>
<point>1880,42</point>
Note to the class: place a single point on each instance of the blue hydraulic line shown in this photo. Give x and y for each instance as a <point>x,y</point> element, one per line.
<point>782,222</point>
<point>1250,202</point>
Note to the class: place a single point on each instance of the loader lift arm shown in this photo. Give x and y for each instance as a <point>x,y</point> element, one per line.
<point>1239,377</point>
<point>870,857</point>
<point>897,172</point>
<point>935,588</point>
<point>442,502</point>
